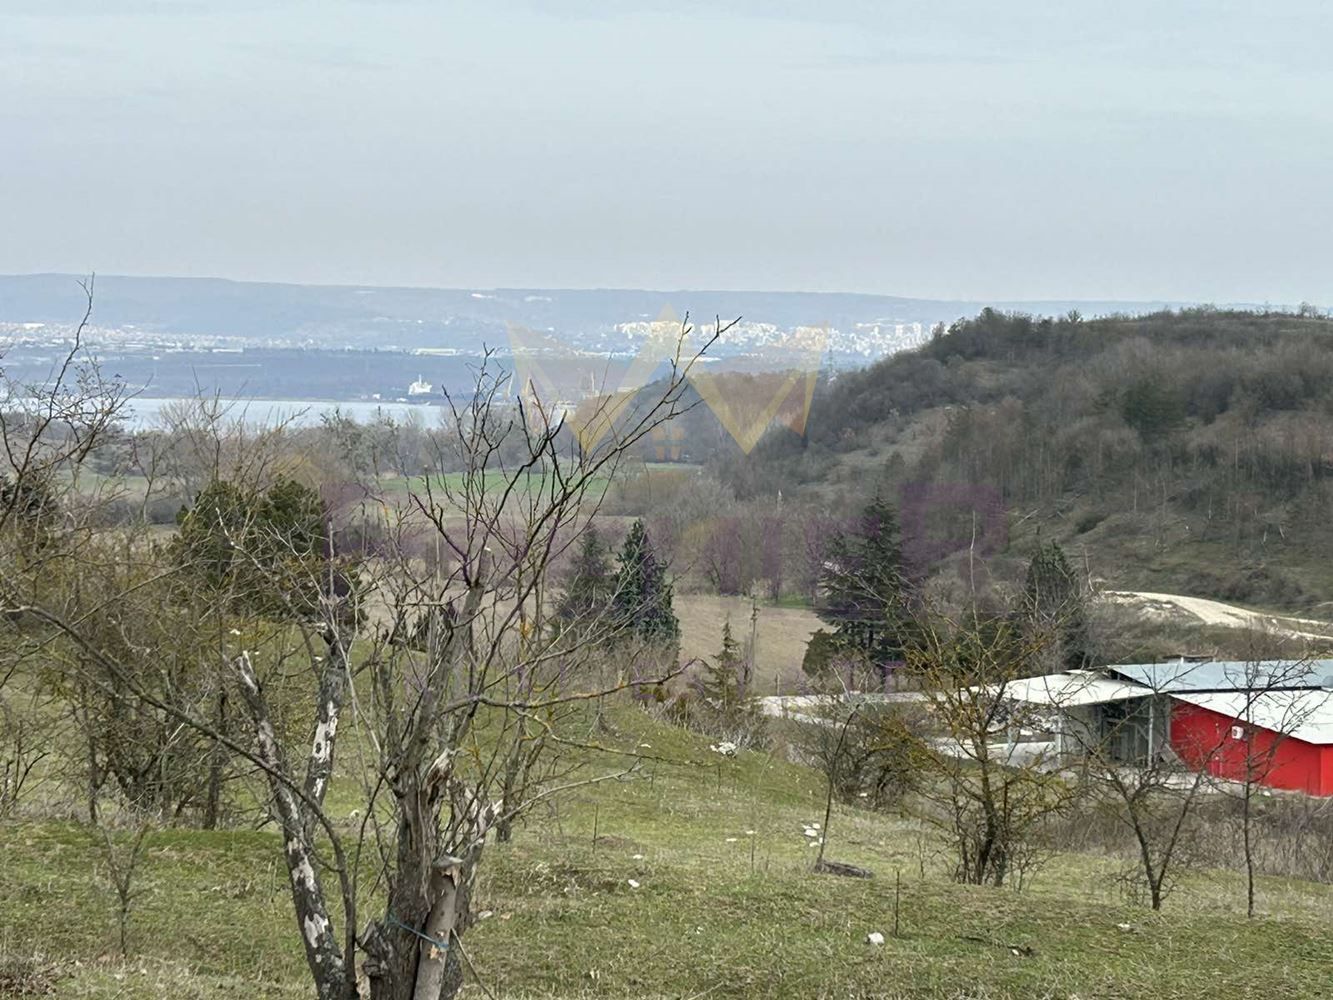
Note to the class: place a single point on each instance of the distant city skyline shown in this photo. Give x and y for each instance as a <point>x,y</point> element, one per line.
<point>1146,151</point>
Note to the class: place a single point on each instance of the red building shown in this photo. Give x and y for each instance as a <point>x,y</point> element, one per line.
<point>1232,748</point>
<point>1277,739</point>
<point>1268,720</point>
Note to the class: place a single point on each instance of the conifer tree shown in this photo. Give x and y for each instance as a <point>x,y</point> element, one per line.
<point>1053,599</point>
<point>725,680</point>
<point>727,706</point>
<point>588,585</point>
<point>864,593</point>
<point>256,546</point>
<point>642,594</point>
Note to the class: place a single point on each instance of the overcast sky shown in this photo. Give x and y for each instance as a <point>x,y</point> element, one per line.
<point>980,150</point>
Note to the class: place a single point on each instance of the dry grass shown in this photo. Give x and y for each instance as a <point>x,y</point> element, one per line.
<point>782,635</point>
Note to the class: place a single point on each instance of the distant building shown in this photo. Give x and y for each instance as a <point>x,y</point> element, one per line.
<point>420,387</point>
<point>1271,719</point>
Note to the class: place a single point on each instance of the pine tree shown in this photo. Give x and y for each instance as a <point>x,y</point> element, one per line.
<point>588,585</point>
<point>727,707</point>
<point>864,593</point>
<point>725,681</point>
<point>1053,599</point>
<point>642,594</point>
<point>209,532</point>
<point>291,522</point>
<point>819,653</point>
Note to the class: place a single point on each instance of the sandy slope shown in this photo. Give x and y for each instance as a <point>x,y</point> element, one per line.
<point>1209,612</point>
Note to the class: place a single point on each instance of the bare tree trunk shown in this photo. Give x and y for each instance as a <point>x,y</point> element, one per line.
<point>833,772</point>
<point>413,950</point>
<point>216,764</point>
<point>438,971</point>
<point>504,828</point>
<point>1248,842</point>
<point>308,898</point>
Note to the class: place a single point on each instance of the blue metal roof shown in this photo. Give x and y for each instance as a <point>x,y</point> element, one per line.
<point>1227,675</point>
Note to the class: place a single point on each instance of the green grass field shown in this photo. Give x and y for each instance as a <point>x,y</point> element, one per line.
<point>495,479</point>
<point>726,907</point>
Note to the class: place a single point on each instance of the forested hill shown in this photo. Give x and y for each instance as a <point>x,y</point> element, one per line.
<point>1188,451</point>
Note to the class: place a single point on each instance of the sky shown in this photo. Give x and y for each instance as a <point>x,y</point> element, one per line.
<point>1133,150</point>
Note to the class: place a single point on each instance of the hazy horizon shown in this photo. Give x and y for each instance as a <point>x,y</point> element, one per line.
<point>97,276</point>
<point>1032,152</point>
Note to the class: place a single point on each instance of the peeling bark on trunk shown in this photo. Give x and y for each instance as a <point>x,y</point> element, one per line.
<point>332,692</point>
<point>311,905</point>
<point>433,955</point>
<point>410,949</point>
<point>413,950</point>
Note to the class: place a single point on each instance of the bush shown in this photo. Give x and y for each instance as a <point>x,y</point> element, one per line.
<point>1259,585</point>
<point>874,759</point>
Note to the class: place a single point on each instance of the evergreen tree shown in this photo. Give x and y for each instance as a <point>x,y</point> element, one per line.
<point>1054,600</point>
<point>31,499</point>
<point>819,653</point>
<point>727,707</point>
<point>291,522</point>
<point>588,585</point>
<point>642,594</point>
<point>210,532</point>
<point>864,593</point>
<point>29,508</point>
<point>725,681</point>
<point>266,550</point>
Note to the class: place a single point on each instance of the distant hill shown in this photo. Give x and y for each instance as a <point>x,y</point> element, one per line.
<point>465,319</point>
<point>1186,451</point>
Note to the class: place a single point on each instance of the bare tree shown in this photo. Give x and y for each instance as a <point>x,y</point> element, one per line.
<point>869,750</point>
<point>48,431</point>
<point>27,729</point>
<point>435,649</point>
<point>1156,801</point>
<point>1274,701</point>
<point>989,771</point>
<point>122,863</point>
<point>1157,786</point>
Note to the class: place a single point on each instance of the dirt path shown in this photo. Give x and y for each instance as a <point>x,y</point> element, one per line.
<point>1183,608</point>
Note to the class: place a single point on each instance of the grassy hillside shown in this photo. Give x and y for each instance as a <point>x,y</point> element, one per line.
<point>726,906</point>
<point>1188,451</point>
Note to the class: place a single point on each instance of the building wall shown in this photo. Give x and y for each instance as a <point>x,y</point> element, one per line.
<point>1201,736</point>
<point>1078,729</point>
